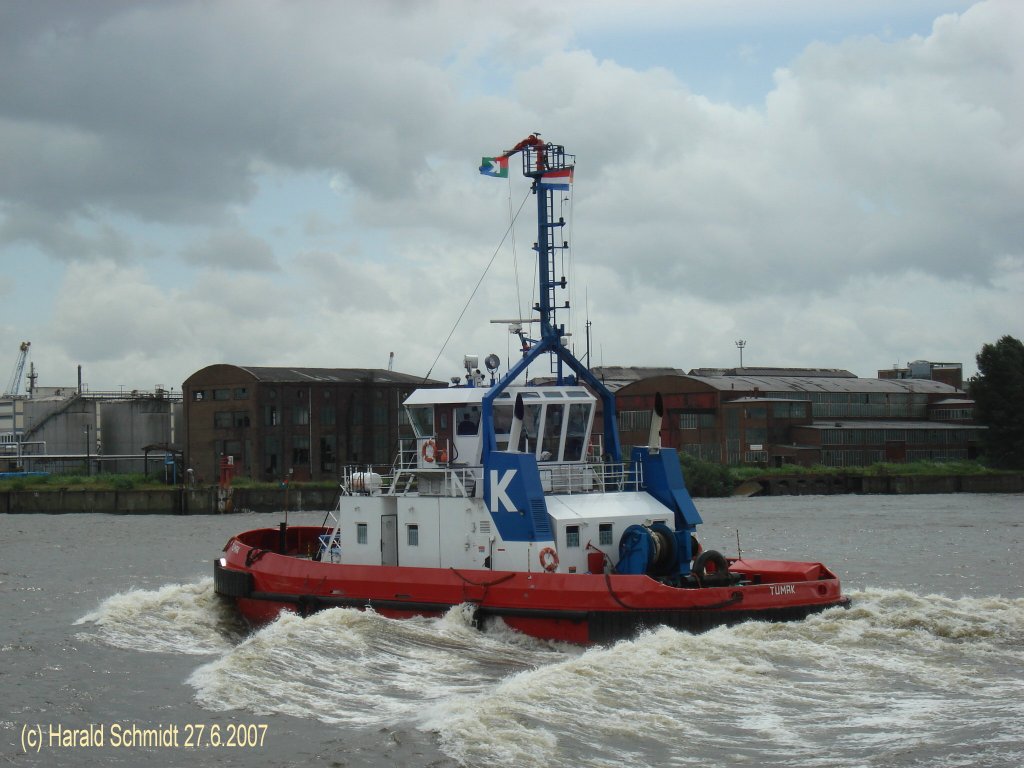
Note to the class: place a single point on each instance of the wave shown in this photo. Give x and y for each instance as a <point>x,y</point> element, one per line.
<point>897,674</point>
<point>897,679</point>
<point>177,618</point>
<point>360,668</point>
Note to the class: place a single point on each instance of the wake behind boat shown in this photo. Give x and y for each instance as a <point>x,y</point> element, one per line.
<point>509,503</point>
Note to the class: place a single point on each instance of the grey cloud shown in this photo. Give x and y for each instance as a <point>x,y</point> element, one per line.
<point>232,250</point>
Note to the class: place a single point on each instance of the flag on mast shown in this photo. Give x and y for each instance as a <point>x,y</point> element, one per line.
<point>558,179</point>
<point>494,166</point>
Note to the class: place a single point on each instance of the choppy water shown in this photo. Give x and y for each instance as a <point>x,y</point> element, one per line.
<point>926,668</point>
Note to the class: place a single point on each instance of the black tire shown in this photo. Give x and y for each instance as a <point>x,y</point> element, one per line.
<point>721,566</point>
<point>231,583</point>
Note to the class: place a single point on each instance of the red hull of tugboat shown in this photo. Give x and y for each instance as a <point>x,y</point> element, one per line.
<point>576,608</point>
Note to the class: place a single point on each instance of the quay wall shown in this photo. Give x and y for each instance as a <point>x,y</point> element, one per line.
<point>211,500</point>
<point>805,485</point>
<point>170,501</point>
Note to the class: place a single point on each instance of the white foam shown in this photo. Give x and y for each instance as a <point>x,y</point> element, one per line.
<point>895,673</point>
<point>177,618</point>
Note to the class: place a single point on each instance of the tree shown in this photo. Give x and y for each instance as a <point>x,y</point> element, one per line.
<point>998,392</point>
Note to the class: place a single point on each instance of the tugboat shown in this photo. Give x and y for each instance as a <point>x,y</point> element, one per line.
<point>507,502</point>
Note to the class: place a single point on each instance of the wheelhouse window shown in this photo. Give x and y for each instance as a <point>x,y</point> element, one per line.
<point>422,419</point>
<point>576,431</point>
<point>502,425</point>
<point>361,533</point>
<point>531,423</point>
<point>552,432</point>
<point>412,535</point>
<point>572,535</point>
<point>467,420</point>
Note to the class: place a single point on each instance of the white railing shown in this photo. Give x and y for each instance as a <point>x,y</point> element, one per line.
<point>591,476</point>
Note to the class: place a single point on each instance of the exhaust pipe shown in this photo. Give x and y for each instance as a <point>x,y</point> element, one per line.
<point>654,437</point>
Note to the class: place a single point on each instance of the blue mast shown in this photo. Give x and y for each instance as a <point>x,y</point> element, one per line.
<point>548,164</point>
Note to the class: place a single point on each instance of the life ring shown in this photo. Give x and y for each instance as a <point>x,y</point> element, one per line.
<point>548,559</point>
<point>428,450</point>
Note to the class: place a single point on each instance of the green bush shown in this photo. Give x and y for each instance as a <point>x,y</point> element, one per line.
<point>705,478</point>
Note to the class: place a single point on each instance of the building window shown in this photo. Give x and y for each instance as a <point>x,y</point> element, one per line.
<point>696,420</point>
<point>327,453</point>
<point>361,533</point>
<point>198,395</point>
<point>240,418</point>
<point>327,416</point>
<point>634,421</point>
<point>241,393</point>
<point>604,535</point>
<point>300,416</point>
<point>380,448</point>
<point>300,450</point>
<point>231,448</point>
<point>413,535</point>
<point>222,394</point>
<point>222,419</point>
<point>757,435</point>
<point>270,416</point>
<point>271,451</point>
<point>572,535</point>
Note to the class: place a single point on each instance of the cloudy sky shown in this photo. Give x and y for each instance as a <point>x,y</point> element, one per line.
<point>295,183</point>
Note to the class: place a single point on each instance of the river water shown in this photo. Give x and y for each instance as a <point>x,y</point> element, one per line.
<point>110,623</point>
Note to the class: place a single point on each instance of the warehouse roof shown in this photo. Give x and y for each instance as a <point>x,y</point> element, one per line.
<point>333,375</point>
<point>824,384</point>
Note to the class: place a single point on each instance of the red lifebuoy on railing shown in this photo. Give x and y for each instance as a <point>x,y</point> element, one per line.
<point>428,450</point>
<point>548,559</point>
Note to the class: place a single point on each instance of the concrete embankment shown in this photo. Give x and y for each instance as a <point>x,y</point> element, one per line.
<point>170,501</point>
<point>805,485</point>
<point>211,500</point>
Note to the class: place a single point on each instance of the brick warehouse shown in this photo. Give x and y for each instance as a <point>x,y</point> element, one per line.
<point>807,417</point>
<point>303,423</point>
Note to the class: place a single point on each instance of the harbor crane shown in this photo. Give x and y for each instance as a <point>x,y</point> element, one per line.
<point>19,368</point>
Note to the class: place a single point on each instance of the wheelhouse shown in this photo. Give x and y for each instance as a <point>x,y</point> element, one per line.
<point>555,427</point>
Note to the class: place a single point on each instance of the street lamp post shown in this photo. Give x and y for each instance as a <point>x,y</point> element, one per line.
<point>740,345</point>
<point>88,455</point>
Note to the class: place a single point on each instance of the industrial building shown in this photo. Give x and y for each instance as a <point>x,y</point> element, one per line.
<point>297,423</point>
<point>306,423</point>
<point>69,429</point>
<point>947,373</point>
<point>771,417</point>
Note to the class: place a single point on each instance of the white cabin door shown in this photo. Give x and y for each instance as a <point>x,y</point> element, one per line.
<point>389,539</point>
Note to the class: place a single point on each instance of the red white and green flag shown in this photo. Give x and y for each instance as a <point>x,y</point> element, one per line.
<point>494,166</point>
